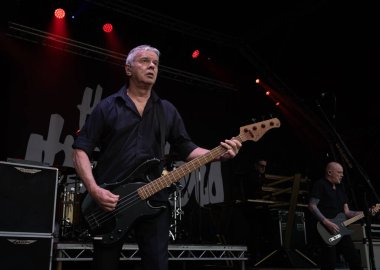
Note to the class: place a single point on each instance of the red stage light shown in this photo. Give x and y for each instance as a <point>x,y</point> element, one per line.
<point>195,54</point>
<point>107,27</point>
<point>59,13</point>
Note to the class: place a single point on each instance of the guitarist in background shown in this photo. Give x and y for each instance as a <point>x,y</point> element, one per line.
<point>328,198</point>
<point>127,127</point>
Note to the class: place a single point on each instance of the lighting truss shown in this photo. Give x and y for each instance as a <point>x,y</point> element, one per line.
<point>37,36</point>
<point>131,10</point>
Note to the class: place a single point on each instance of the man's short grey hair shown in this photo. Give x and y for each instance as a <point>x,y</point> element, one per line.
<point>132,54</point>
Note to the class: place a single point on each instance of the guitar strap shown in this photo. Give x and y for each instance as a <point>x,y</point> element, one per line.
<point>161,122</point>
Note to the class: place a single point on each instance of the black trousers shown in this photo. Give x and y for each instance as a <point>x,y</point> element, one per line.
<point>152,237</point>
<point>328,254</point>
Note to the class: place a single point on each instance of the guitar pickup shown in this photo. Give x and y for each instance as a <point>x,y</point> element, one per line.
<point>332,239</point>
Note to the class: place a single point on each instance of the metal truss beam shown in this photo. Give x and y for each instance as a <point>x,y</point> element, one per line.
<point>147,15</point>
<point>37,36</point>
<point>176,252</point>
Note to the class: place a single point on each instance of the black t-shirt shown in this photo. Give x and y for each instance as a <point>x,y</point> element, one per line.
<point>331,201</point>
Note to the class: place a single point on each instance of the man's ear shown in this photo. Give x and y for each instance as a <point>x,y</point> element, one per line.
<point>128,69</point>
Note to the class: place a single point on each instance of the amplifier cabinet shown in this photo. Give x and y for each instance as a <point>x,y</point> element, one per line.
<point>360,232</point>
<point>280,218</point>
<point>26,251</point>
<point>363,247</point>
<point>28,196</point>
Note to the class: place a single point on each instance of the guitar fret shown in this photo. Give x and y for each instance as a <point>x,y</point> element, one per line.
<point>149,189</point>
<point>142,193</point>
<point>168,181</point>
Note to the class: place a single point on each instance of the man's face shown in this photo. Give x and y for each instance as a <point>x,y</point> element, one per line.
<point>261,166</point>
<point>144,69</point>
<point>336,174</point>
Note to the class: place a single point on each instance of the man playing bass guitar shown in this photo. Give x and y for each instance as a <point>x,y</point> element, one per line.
<point>130,127</point>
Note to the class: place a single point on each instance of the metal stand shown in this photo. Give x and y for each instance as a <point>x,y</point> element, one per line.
<point>287,256</point>
<point>177,213</point>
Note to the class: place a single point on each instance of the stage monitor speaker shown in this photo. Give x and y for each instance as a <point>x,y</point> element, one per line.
<point>26,252</point>
<point>28,196</point>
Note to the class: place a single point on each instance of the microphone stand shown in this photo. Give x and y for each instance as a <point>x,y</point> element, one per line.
<point>349,159</point>
<point>199,185</point>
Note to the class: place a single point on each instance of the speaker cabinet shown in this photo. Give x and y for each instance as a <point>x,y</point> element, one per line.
<point>28,196</point>
<point>280,218</point>
<point>365,253</point>
<point>26,252</point>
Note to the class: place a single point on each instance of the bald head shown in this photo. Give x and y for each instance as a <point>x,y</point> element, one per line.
<point>334,172</point>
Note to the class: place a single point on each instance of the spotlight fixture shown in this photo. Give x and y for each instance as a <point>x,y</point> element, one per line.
<point>59,13</point>
<point>107,28</point>
<point>195,54</point>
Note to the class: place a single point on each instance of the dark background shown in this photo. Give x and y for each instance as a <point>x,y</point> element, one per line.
<point>318,58</point>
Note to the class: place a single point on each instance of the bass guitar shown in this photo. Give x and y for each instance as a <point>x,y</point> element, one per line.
<point>343,223</point>
<point>109,227</point>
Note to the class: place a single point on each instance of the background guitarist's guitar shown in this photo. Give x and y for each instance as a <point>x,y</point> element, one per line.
<point>109,227</point>
<point>342,222</point>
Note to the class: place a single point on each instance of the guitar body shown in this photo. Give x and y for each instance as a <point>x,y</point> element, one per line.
<point>109,227</point>
<point>340,220</point>
<point>333,239</point>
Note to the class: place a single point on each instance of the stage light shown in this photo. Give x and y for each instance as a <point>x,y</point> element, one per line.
<point>267,93</point>
<point>107,28</point>
<point>195,54</point>
<point>59,13</point>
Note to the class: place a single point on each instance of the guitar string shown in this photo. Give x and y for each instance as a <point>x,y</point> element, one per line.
<point>100,216</point>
